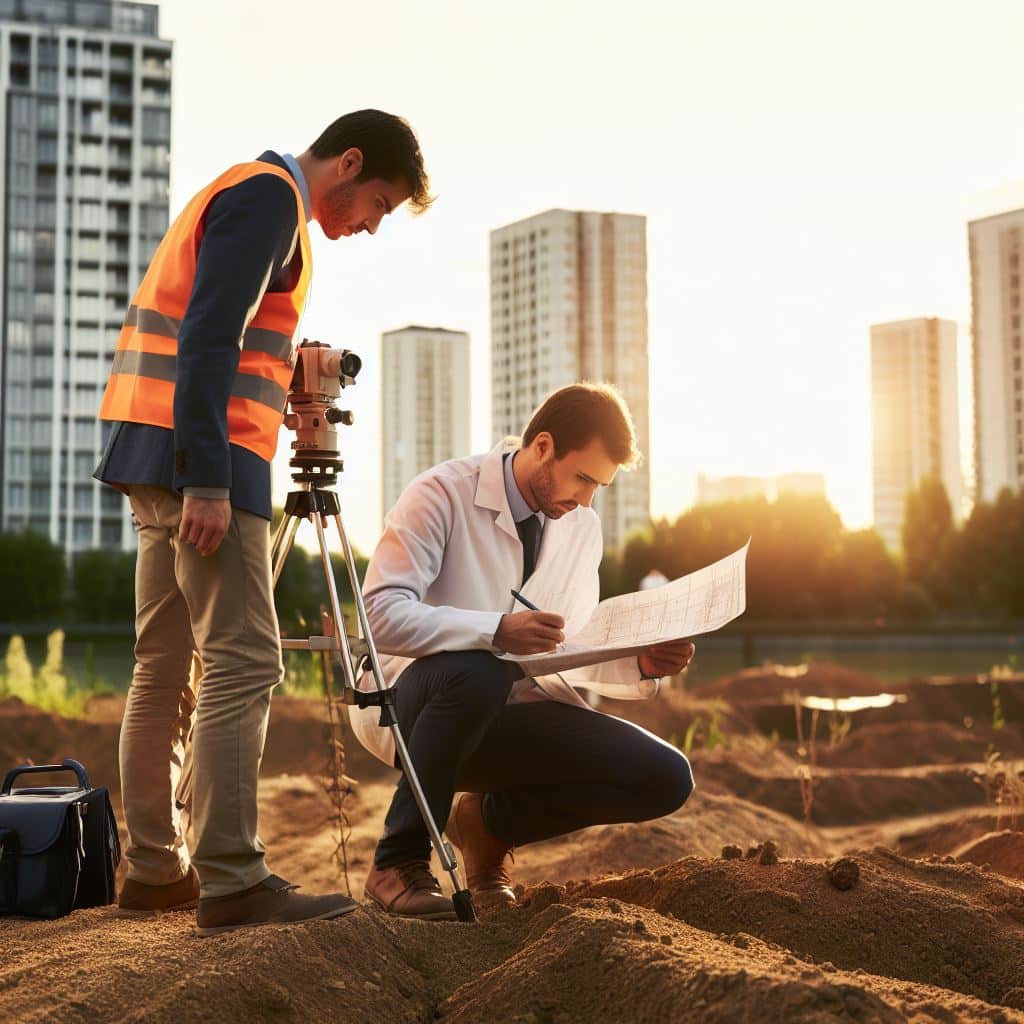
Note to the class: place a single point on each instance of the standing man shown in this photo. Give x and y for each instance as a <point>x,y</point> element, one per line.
<point>531,758</point>
<point>196,397</point>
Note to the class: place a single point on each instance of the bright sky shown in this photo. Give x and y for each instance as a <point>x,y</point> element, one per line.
<point>806,169</point>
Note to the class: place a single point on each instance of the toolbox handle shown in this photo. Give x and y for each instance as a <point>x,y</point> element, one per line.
<point>67,765</point>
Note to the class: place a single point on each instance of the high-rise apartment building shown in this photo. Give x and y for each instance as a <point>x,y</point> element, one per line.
<point>85,129</point>
<point>425,404</point>
<point>569,303</point>
<point>996,256</point>
<point>915,416</point>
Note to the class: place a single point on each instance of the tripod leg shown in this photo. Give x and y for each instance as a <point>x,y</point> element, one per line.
<point>275,542</point>
<point>461,898</point>
<point>332,588</point>
<point>282,545</point>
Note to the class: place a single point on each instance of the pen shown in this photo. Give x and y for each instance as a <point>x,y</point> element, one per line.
<point>522,600</point>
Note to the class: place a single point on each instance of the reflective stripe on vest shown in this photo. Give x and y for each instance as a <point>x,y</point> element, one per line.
<point>144,369</point>
<point>246,385</point>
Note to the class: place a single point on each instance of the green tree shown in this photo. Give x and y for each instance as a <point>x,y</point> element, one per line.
<point>985,557</point>
<point>103,583</point>
<point>866,579</point>
<point>32,578</point>
<point>927,534</point>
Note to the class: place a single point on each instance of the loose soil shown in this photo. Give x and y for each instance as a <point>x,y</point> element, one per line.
<point>624,923</point>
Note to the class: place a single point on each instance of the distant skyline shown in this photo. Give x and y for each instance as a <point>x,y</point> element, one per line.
<point>806,170</point>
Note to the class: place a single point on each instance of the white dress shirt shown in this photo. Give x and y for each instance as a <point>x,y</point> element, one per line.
<point>442,575</point>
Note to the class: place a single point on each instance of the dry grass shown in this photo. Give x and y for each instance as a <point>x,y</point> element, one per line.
<point>807,751</point>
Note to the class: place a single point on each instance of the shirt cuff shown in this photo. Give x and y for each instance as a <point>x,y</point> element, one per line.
<point>222,493</point>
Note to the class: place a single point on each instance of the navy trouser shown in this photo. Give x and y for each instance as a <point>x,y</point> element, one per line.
<point>545,768</point>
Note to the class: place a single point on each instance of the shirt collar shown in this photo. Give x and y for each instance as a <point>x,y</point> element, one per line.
<point>516,502</point>
<point>300,180</point>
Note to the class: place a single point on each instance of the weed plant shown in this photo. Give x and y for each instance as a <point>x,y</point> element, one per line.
<point>51,687</point>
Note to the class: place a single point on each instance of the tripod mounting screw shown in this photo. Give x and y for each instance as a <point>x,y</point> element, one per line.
<point>343,416</point>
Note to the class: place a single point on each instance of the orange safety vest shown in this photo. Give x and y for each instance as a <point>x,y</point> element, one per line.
<point>141,384</point>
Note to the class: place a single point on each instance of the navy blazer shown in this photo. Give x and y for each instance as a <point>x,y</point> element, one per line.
<point>250,235</point>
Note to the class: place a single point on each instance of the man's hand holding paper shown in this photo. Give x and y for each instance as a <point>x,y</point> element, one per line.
<point>651,623</point>
<point>665,659</point>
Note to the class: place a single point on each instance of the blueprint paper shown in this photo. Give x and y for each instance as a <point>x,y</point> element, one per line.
<point>701,602</point>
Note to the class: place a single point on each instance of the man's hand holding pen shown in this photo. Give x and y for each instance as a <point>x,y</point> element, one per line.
<point>529,632</point>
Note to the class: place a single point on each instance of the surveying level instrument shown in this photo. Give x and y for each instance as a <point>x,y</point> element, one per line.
<point>320,374</point>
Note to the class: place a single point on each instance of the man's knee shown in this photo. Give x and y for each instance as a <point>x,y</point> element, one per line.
<point>670,781</point>
<point>161,668</point>
<point>231,674</point>
<point>678,782</point>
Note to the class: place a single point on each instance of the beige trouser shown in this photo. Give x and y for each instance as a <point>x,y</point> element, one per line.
<point>222,606</point>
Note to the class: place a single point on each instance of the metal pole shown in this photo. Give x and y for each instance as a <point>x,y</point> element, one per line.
<point>284,546</point>
<point>461,897</point>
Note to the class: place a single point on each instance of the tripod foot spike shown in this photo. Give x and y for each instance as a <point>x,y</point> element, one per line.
<point>464,909</point>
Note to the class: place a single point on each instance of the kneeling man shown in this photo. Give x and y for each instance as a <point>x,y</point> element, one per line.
<point>528,757</point>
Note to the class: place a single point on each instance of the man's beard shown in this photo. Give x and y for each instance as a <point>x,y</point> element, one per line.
<point>337,206</point>
<point>543,486</point>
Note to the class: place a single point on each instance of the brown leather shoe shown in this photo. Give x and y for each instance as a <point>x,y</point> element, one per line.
<point>486,858</point>
<point>409,890</point>
<point>139,898</point>
<point>272,901</point>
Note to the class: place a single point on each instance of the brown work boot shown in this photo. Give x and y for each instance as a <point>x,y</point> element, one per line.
<point>485,858</point>
<point>272,901</point>
<point>409,890</point>
<point>140,898</point>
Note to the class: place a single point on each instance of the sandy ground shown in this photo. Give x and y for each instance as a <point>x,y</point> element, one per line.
<point>622,923</point>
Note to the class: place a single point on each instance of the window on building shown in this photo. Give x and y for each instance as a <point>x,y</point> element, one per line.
<point>39,465</point>
<point>42,431</point>
<point>39,497</point>
<point>156,124</point>
<point>85,432</point>
<point>83,497</point>
<point>20,144</point>
<point>16,496</point>
<point>17,463</point>
<point>82,535</point>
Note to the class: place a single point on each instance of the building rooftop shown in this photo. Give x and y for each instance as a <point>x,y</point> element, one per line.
<point>418,327</point>
<point>109,15</point>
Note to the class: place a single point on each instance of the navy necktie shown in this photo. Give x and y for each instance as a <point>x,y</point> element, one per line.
<point>529,533</point>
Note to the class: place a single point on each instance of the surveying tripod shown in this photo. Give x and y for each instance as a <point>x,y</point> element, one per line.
<point>319,374</point>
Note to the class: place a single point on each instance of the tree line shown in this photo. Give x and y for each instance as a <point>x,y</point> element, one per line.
<point>804,565</point>
<point>98,587</point>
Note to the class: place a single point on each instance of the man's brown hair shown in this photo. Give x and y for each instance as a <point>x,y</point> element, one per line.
<point>576,414</point>
<point>389,147</point>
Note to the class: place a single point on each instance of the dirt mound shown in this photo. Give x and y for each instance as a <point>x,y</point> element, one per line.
<point>773,682</point>
<point>901,744</point>
<point>1001,851</point>
<point>364,967</point>
<point>694,939</point>
<point>297,739</point>
<point>31,736</point>
<point>967,700</point>
<point>948,925</point>
<point>706,824</point>
<point>560,957</point>
<point>594,959</point>
<point>673,713</point>
<point>841,796</point>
